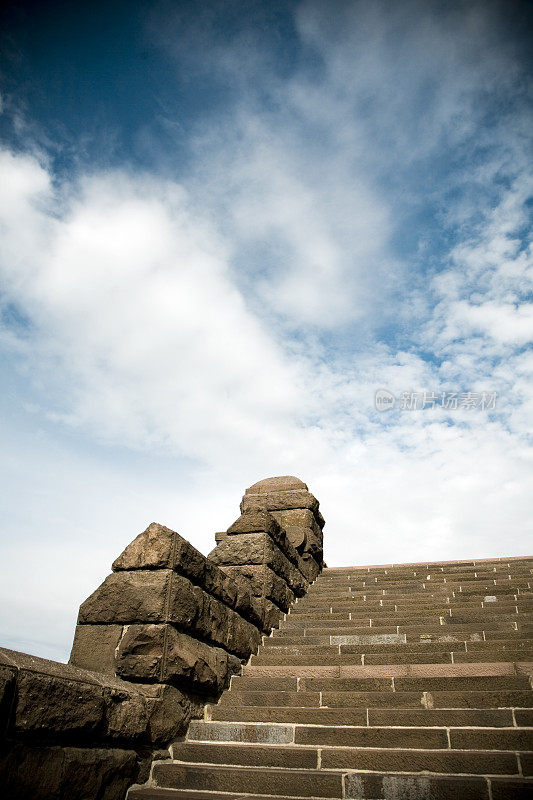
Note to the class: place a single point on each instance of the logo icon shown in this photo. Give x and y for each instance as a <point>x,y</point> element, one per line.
<point>384,400</point>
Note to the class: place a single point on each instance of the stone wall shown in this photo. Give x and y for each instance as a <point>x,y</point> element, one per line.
<point>159,638</point>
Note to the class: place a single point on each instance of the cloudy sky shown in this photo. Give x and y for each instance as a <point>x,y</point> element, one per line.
<point>223,227</point>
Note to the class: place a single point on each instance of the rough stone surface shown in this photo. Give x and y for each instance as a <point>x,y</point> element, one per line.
<point>126,714</point>
<point>264,522</point>
<point>205,668</point>
<point>184,602</point>
<point>281,483</point>
<point>256,522</point>
<point>98,773</point>
<point>94,647</point>
<point>272,615</point>
<point>263,582</point>
<point>160,652</point>
<point>151,549</point>
<point>31,773</point>
<point>140,653</point>
<point>58,773</point>
<point>258,548</point>
<point>126,597</point>
<point>279,500</point>
<point>49,704</point>
<point>169,711</point>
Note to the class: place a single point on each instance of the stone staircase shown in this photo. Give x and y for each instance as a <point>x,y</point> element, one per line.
<point>404,682</point>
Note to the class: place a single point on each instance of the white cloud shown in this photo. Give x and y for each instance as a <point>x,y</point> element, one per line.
<point>225,325</point>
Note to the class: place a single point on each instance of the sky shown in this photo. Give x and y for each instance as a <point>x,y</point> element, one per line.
<point>224,227</point>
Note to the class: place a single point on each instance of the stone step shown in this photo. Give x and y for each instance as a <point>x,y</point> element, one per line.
<point>514,739</point>
<point>300,646</point>
<point>405,657</point>
<point>418,717</point>
<point>470,762</point>
<point>399,699</point>
<point>380,671</point>
<point>487,669</point>
<point>249,780</point>
<point>410,576</point>
<point>309,716</point>
<point>361,642</point>
<point>430,626</point>
<point>272,643</point>
<point>388,623</point>
<point>303,755</point>
<point>361,610</point>
<point>381,684</point>
<point>159,793</point>
<point>212,781</point>
<point>287,756</point>
<point>370,785</point>
<point>523,656</point>
<point>502,644</point>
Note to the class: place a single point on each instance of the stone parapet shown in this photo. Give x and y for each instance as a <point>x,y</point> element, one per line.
<point>69,732</point>
<point>275,546</point>
<point>297,512</point>
<point>160,637</point>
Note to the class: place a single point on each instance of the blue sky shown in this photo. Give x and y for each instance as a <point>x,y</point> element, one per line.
<point>224,227</point>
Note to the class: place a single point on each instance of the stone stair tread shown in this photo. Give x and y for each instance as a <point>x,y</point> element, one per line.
<point>160,793</point>
<point>373,785</point>
<point>420,717</point>
<point>304,755</point>
<point>487,669</point>
<point>386,682</point>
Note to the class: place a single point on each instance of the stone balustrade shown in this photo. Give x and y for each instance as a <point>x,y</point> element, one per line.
<point>160,637</point>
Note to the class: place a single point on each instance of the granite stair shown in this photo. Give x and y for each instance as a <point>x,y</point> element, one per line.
<point>401,681</point>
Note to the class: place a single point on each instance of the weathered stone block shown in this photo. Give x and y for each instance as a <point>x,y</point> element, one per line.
<point>126,714</point>
<point>280,483</point>
<point>220,585</point>
<point>94,647</point>
<point>298,517</point>
<point>160,652</point>
<point>255,522</point>
<point>264,522</point>
<point>185,602</point>
<point>271,616</point>
<point>203,667</point>
<point>189,561</point>
<point>48,704</point>
<point>297,536</point>
<point>214,618</point>
<point>159,547</point>
<point>276,501</point>
<point>97,772</point>
<point>263,582</point>
<point>258,548</point>
<point>32,773</point>
<point>151,549</point>
<point>309,567</point>
<point>140,653</point>
<point>303,530</point>
<point>240,549</point>
<point>246,605</point>
<point>169,711</point>
<point>242,638</point>
<point>126,597</point>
